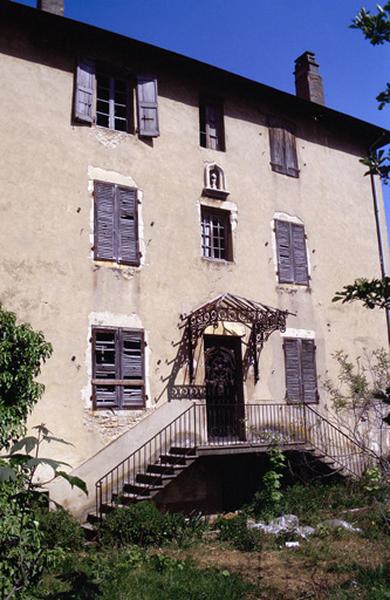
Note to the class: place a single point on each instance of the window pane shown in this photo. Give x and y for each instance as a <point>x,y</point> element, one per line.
<point>215,231</point>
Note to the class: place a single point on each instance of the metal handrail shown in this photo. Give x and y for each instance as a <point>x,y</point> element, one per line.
<point>203,425</point>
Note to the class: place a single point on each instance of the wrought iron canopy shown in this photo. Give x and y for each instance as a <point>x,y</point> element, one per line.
<point>262,320</point>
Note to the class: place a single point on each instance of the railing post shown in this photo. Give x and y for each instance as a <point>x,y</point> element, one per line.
<point>305,423</point>
<point>194,409</point>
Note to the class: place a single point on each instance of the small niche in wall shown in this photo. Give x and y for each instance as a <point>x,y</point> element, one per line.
<point>214,182</point>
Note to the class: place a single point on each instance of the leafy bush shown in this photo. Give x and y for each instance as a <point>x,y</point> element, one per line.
<point>60,529</point>
<point>144,525</point>
<point>266,503</point>
<point>236,532</point>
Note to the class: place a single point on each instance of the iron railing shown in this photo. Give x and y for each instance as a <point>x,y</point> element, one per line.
<point>207,426</point>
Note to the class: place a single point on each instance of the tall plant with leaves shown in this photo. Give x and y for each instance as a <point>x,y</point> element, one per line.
<point>267,501</point>
<point>23,554</point>
<point>22,353</point>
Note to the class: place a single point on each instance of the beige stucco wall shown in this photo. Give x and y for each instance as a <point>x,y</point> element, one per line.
<point>47,272</point>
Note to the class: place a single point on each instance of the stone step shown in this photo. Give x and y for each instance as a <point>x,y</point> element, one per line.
<point>166,470</point>
<point>175,459</point>
<point>182,450</point>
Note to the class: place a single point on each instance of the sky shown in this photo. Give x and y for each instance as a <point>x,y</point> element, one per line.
<point>260,39</point>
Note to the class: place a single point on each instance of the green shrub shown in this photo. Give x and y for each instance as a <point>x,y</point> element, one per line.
<point>60,529</point>
<point>236,532</point>
<point>143,524</point>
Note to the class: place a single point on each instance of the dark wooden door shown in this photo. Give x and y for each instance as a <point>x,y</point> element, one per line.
<point>224,391</point>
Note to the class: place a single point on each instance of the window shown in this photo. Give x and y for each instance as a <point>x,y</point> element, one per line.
<point>112,103</point>
<point>212,133</point>
<point>291,253</point>
<point>300,368</point>
<point>283,148</point>
<point>116,223</point>
<point>118,368</point>
<point>216,234</point>
<point>107,100</point>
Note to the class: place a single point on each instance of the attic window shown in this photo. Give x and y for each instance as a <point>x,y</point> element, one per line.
<point>112,103</point>
<point>283,147</point>
<point>212,134</point>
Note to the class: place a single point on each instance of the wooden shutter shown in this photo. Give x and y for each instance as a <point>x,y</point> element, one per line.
<point>309,373</point>
<point>276,140</point>
<point>128,251</point>
<point>147,107</point>
<point>298,242</point>
<point>84,91</point>
<point>104,221</point>
<point>105,367</point>
<point>284,252</point>
<point>132,366</point>
<point>292,370</point>
<point>291,159</point>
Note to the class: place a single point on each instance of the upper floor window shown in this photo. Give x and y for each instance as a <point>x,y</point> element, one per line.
<point>216,234</point>
<point>212,134</point>
<point>283,148</point>
<point>291,253</point>
<point>116,223</point>
<point>106,99</point>
<point>118,368</point>
<point>300,369</point>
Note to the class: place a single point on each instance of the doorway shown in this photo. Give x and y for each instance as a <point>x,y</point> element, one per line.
<point>224,388</point>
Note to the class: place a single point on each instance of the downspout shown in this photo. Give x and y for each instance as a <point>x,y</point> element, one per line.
<point>379,234</point>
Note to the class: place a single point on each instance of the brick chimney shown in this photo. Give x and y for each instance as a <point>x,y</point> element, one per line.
<point>308,81</point>
<point>53,6</point>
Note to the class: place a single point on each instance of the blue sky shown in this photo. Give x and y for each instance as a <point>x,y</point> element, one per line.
<point>260,39</point>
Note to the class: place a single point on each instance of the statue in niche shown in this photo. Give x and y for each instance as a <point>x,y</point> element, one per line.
<point>215,186</point>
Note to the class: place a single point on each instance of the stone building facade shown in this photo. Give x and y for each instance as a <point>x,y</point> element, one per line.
<point>139,185</point>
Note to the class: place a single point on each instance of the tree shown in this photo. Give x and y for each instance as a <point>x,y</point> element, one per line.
<point>373,294</point>
<point>376,29</point>
<point>22,353</point>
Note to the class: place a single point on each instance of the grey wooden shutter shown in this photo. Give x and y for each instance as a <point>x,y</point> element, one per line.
<point>212,126</point>
<point>309,373</point>
<point>298,240</point>
<point>291,159</point>
<point>147,107</point>
<point>105,366</point>
<point>127,227</point>
<point>284,252</point>
<point>84,92</point>
<point>104,221</point>
<point>292,370</point>
<point>277,145</point>
<point>132,365</point>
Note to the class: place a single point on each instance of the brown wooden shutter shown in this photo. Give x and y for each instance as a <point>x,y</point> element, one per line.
<point>128,251</point>
<point>105,366</point>
<point>84,91</point>
<point>291,159</point>
<point>298,242</point>
<point>147,107</point>
<point>104,221</point>
<point>292,370</point>
<point>284,252</point>
<point>309,373</point>
<point>132,366</point>
<point>276,140</point>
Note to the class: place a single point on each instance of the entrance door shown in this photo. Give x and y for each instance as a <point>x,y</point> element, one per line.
<point>224,392</point>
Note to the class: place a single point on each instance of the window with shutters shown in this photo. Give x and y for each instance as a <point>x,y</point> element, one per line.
<point>116,223</point>
<point>118,368</point>
<point>212,133</point>
<point>216,234</point>
<point>291,253</point>
<point>106,99</point>
<point>283,147</point>
<point>300,369</point>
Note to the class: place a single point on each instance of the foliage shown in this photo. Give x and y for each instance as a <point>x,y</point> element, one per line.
<point>133,574</point>
<point>144,525</point>
<point>360,395</point>
<point>60,529</point>
<point>23,551</point>
<point>267,501</point>
<point>235,531</point>
<point>367,582</point>
<point>373,294</point>
<point>22,353</point>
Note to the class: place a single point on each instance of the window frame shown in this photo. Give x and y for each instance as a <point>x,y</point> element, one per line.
<point>116,226</point>
<point>119,384</point>
<point>204,127</point>
<point>299,345</point>
<point>294,266</point>
<point>228,242</point>
<point>113,77</point>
